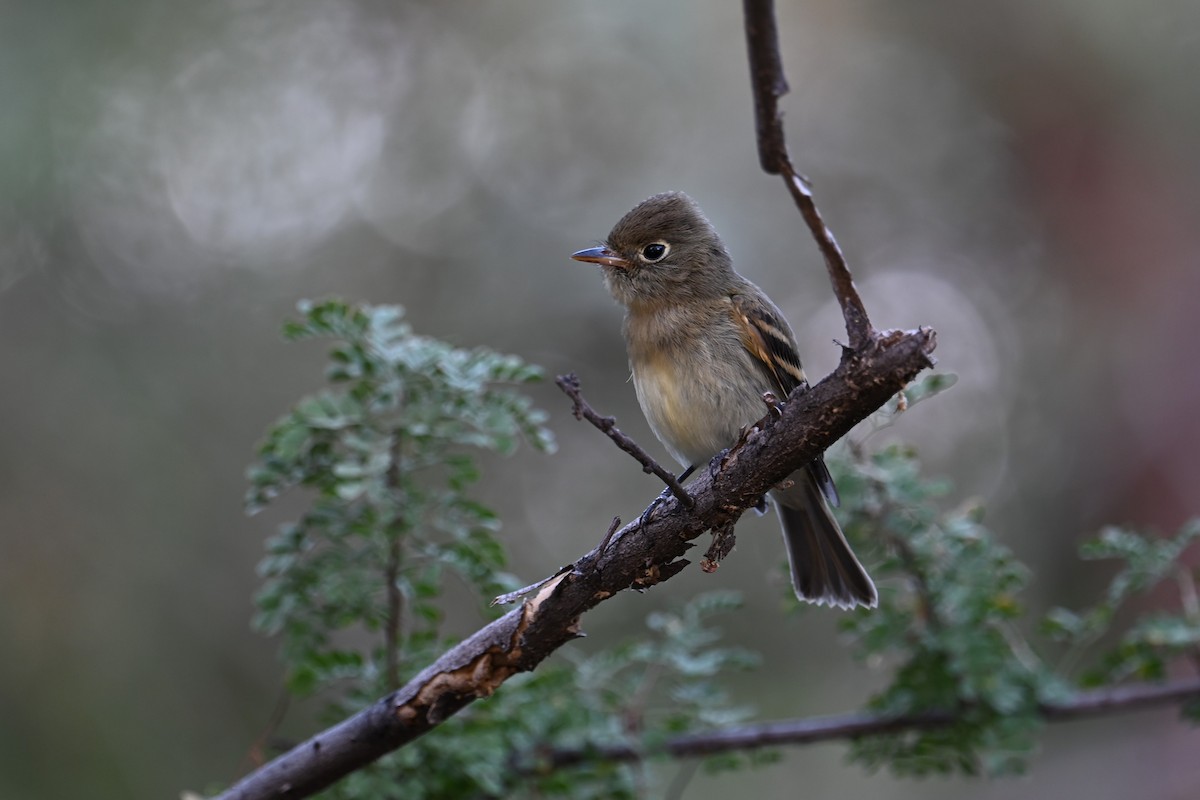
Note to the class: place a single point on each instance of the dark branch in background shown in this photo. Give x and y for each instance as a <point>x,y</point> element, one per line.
<point>929,612</point>
<point>608,426</point>
<point>852,726</point>
<point>769,84</point>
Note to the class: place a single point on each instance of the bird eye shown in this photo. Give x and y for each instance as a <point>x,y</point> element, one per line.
<point>655,251</point>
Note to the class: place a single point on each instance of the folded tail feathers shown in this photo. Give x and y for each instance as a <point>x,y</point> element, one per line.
<point>824,569</point>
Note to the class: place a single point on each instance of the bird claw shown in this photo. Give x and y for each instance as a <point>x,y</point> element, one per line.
<point>663,496</point>
<point>774,404</point>
<point>644,519</point>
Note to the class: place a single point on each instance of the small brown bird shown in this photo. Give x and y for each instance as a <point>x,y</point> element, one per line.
<point>704,345</point>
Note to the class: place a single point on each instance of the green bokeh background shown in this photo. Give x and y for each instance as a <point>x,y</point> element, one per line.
<point>175,176</point>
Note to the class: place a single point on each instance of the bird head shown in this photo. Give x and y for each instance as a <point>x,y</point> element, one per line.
<point>663,251</point>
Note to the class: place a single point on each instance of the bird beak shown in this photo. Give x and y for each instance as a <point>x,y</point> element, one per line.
<point>602,256</point>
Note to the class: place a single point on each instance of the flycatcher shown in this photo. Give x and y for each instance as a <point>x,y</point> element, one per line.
<point>704,345</point>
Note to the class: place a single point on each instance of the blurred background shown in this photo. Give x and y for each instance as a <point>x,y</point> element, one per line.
<point>1022,176</point>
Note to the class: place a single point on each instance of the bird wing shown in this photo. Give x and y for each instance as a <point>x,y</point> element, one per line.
<point>767,337</point>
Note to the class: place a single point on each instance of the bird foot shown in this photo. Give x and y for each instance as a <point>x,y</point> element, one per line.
<point>644,519</point>
<point>663,496</point>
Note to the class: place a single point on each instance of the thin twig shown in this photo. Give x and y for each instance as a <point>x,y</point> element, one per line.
<point>612,528</point>
<point>858,324</point>
<point>256,755</point>
<point>853,726</point>
<point>393,622</point>
<point>769,84</point>
<point>1191,604</point>
<point>929,610</point>
<point>395,610</point>
<point>767,81</point>
<point>608,426</point>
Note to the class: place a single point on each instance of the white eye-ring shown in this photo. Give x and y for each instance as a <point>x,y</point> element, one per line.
<point>655,251</point>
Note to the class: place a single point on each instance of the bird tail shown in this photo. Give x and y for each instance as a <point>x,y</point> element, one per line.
<point>825,570</point>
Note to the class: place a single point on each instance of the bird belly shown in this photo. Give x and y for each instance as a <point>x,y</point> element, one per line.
<point>695,412</point>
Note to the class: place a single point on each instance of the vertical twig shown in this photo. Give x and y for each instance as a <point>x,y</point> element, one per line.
<point>767,80</point>
<point>858,324</point>
<point>916,576</point>
<point>769,84</point>
<point>256,755</point>
<point>1191,604</point>
<point>395,608</point>
<point>395,599</point>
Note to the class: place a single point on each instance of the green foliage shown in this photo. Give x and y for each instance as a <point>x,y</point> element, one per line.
<point>1151,643</point>
<point>949,601</point>
<point>916,392</point>
<point>385,454</point>
<point>949,619</point>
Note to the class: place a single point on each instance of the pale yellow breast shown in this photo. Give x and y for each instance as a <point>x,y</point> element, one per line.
<point>695,403</point>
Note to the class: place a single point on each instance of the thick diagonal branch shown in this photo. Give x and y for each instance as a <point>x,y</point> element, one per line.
<point>640,556</point>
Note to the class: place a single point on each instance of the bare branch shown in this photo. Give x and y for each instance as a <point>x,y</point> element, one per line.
<point>769,84</point>
<point>853,726</point>
<point>608,426</point>
<point>858,324</point>
<point>638,556</point>
<point>767,80</point>
<point>612,529</point>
